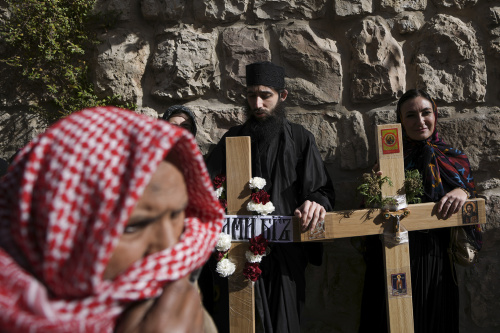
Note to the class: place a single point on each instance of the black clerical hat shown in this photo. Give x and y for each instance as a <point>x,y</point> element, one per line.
<point>265,73</point>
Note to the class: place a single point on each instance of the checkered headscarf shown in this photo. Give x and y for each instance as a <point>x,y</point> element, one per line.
<point>63,206</point>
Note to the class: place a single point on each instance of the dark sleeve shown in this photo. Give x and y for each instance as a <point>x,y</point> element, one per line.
<point>317,185</point>
<point>216,160</point>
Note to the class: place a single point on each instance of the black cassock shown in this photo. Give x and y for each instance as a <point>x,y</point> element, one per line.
<point>294,172</point>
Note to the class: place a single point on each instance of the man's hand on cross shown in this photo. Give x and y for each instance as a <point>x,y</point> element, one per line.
<point>310,213</point>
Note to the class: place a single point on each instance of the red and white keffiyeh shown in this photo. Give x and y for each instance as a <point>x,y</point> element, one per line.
<point>63,206</point>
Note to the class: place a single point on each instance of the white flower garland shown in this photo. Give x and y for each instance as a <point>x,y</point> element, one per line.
<point>261,209</point>
<point>225,267</point>
<point>257,183</point>
<point>253,258</point>
<point>219,191</point>
<point>223,243</point>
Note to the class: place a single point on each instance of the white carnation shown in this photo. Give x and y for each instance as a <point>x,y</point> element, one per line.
<point>257,183</point>
<point>268,208</point>
<point>253,258</point>
<point>225,267</point>
<point>223,243</point>
<point>252,206</point>
<point>218,192</point>
<point>259,208</point>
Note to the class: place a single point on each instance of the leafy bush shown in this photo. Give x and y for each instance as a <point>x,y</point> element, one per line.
<point>371,189</point>
<point>49,42</point>
<point>414,186</point>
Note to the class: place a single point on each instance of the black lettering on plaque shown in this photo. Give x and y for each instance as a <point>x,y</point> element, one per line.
<point>249,227</point>
<point>266,231</point>
<point>285,233</point>
<point>237,226</point>
<point>226,227</point>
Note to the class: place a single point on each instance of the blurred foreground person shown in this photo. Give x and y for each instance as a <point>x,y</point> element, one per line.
<point>103,218</point>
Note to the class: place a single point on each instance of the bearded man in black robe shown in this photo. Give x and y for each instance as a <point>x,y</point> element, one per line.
<point>286,156</point>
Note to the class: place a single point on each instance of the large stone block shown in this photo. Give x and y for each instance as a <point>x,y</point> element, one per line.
<point>479,282</point>
<point>241,45</point>
<point>213,120</point>
<point>312,64</point>
<point>377,64</point>
<point>459,4</point>
<point>120,64</point>
<point>492,197</point>
<point>495,15</point>
<point>219,11</point>
<point>147,112</point>
<point>409,22</point>
<point>163,10</point>
<point>348,8</point>
<point>353,143</point>
<point>478,135</point>
<point>121,10</point>
<point>184,64</point>
<point>494,29</point>
<point>324,131</point>
<point>282,10</point>
<point>449,62</point>
<point>399,6</point>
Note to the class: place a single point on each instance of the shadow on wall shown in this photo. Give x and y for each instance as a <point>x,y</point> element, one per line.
<point>3,167</point>
<point>16,130</point>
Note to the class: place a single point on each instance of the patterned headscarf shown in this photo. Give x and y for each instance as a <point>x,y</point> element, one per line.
<point>176,109</point>
<point>443,167</point>
<point>63,207</point>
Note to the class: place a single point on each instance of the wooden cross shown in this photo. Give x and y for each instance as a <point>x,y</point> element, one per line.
<point>340,224</point>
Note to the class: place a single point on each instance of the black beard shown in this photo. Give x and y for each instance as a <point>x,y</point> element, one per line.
<point>263,131</point>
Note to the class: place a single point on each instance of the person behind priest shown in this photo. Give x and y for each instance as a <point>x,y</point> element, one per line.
<point>286,156</point>
<point>447,180</point>
<point>181,116</point>
<point>103,218</point>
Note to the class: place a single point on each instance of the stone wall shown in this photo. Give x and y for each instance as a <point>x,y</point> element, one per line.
<point>347,62</point>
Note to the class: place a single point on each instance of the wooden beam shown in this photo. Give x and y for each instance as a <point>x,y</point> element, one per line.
<point>397,258</point>
<point>238,174</point>
<point>390,159</point>
<point>362,222</point>
<point>241,291</point>
<point>399,308</point>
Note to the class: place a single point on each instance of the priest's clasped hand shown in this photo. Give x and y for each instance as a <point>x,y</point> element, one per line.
<point>310,213</point>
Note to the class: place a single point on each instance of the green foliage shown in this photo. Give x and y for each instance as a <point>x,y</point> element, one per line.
<point>414,187</point>
<point>49,41</point>
<point>371,189</point>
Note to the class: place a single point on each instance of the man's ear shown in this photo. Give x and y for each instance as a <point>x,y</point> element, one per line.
<point>283,94</point>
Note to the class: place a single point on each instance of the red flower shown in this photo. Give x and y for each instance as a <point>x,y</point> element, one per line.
<point>223,203</point>
<point>260,197</point>
<point>219,181</point>
<point>219,255</point>
<point>258,245</point>
<point>252,271</point>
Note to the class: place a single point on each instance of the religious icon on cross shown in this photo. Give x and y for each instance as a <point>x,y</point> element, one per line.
<point>341,224</point>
